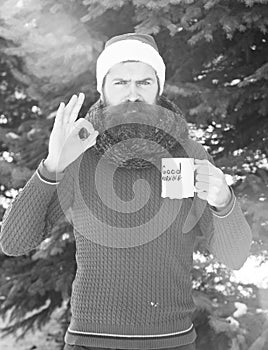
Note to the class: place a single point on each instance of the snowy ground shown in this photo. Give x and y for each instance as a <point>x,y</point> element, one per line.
<point>253,272</point>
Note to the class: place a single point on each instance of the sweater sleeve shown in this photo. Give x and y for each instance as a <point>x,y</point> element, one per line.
<point>228,236</point>
<point>30,216</point>
<point>228,232</point>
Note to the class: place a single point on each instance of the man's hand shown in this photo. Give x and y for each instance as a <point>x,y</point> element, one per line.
<point>211,185</point>
<point>69,137</point>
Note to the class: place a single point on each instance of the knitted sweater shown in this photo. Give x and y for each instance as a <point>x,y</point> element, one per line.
<point>134,249</point>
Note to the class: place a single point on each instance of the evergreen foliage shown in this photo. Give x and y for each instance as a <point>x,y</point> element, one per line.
<point>216,55</point>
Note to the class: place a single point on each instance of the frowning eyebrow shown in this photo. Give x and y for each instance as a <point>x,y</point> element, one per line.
<point>146,79</point>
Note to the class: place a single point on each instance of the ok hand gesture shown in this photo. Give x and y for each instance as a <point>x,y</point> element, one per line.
<point>65,143</point>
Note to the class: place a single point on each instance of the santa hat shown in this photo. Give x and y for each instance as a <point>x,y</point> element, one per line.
<point>130,47</point>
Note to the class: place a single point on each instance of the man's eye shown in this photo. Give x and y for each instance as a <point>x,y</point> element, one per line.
<point>144,82</point>
<point>122,82</point>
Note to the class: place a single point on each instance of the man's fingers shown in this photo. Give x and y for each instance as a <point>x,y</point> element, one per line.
<point>204,178</point>
<point>83,128</point>
<point>202,195</point>
<point>204,168</point>
<point>59,115</point>
<point>202,186</point>
<point>68,109</point>
<point>92,139</point>
<point>76,108</point>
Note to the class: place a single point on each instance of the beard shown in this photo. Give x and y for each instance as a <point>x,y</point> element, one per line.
<point>133,120</point>
<point>137,134</point>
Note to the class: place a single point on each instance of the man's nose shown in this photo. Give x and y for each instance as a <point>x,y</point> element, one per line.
<point>133,95</point>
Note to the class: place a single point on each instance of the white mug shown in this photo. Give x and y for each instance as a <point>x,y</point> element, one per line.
<point>177,176</point>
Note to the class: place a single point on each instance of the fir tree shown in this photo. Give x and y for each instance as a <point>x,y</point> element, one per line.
<point>217,71</point>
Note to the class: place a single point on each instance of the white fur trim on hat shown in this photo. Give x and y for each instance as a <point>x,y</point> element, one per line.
<point>126,50</point>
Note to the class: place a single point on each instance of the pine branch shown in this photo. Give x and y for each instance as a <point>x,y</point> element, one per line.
<point>27,324</point>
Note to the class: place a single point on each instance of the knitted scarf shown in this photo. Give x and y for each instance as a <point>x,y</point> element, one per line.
<point>135,134</point>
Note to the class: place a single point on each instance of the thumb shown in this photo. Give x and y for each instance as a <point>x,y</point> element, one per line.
<point>84,128</point>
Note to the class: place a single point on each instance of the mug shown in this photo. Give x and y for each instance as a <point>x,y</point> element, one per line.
<point>177,178</point>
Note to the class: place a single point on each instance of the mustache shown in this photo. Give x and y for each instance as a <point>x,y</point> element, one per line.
<point>131,113</point>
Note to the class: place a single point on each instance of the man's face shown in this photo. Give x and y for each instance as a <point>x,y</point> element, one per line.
<point>130,82</point>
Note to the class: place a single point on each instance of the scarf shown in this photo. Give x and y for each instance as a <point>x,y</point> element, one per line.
<point>137,135</point>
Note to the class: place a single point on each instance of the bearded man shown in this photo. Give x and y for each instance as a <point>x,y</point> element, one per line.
<point>134,247</point>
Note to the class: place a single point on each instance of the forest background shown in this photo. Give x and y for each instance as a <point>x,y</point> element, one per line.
<point>217,70</point>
